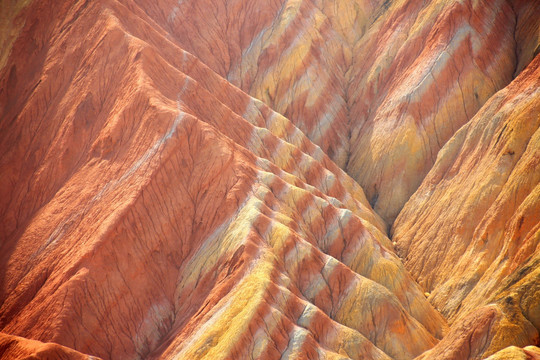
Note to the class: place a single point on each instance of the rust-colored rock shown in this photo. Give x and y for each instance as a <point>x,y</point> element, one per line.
<point>379,85</point>
<point>177,216</point>
<point>162,194</point>
<point>476,217</point>
<point>14,347</point>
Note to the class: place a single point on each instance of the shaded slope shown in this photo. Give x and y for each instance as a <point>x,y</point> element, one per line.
<point>435,64</point>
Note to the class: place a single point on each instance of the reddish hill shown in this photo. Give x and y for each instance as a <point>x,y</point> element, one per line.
<point>480,218</point>
<point>380,86</point>
<point>14,347</point>
<point>179,179</point>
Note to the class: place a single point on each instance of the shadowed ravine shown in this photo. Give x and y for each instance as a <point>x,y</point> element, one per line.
<point>284,179</point>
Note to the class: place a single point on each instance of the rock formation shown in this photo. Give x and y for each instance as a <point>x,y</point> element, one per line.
<point>476,216</point>
<point>14,347</point>
<point>185,179</point>
<point>380,89</point>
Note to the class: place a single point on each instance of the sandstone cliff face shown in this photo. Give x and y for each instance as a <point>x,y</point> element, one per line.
<point>178,179</point>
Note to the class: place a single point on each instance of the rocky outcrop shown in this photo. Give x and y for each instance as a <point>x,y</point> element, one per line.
<point>513,352</point>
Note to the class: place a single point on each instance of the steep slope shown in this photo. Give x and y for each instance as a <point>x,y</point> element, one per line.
<point>14,347</point>
<point>436,63</point>
<point>150,209</point>
<point>380,86</point>
<point>499,329</point>
<point>513,352</point>
<point>476,219</point>
<point>179,179</point>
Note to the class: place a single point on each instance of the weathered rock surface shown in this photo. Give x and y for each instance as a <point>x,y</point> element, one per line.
<point>436,64</point>
<point>380,86</point>
<point>476,219</point>
<point>481,195</point>
<point>513,352</point>
<point>152,209</point>
<point>14,347</point>
<point>162,194</point>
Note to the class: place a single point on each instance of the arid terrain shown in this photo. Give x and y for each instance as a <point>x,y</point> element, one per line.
<point>270,179</point>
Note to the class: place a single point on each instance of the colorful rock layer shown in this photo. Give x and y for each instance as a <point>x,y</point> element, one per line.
<point>185,179</point>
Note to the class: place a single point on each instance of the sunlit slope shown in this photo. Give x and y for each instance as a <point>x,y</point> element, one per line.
<point>379,86</point>
<point>470,234</point>
<point>153,210</point>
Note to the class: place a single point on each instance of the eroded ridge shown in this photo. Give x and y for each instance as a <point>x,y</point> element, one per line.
<point>161,212</point>
<point>380,86</point>
<point>480,213</point>
<point>185,179</point>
